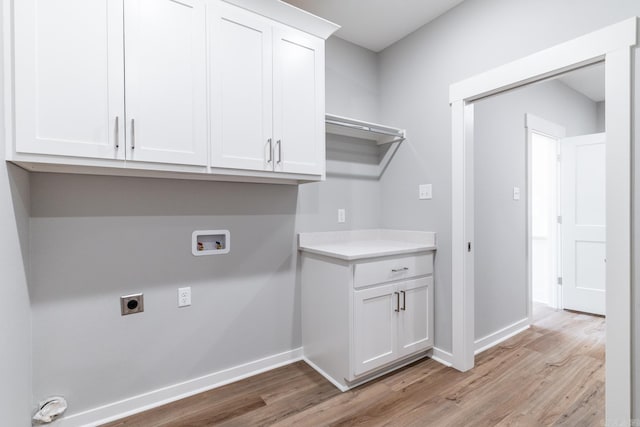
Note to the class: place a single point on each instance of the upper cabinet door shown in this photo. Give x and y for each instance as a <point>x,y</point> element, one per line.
<point>69,78</point>
<point>165,59</point>
<point>298,102</point>
<point>240,49</point>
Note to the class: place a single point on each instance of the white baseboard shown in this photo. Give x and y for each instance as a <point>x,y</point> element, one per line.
<point>503,334</point>
<point>328,377</point>
<point>442,356</point>
<point>368,377</point>
<point>152,399</point>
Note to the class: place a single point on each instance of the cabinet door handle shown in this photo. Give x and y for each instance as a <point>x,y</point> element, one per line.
<point>404,300</point>
<point>279,143</point>
<point>117,132</point>
<point>133,134</point>
<point>397,294</point>
<point>397,270</point>
<point>270,142</point>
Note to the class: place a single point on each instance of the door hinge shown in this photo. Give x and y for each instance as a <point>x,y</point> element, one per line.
<point>559,219</point>
<point>468,246</point>
<point>560,281</point>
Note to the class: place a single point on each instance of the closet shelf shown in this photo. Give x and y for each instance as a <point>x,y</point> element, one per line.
<point>386,139</point>
<point>346,126</point>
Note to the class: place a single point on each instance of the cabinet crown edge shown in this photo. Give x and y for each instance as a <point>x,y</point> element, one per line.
<point>290,15</point>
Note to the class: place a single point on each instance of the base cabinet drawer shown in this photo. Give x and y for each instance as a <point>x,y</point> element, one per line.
<point>392,269</point>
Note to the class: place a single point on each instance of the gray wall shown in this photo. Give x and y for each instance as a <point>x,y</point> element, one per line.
<point>415,75</point>
<point>352,90</point>
<point>15,313</point>
<point>352,80</point>
<point>601,112</point>
<point>500,165</point>
<point>95,238</point>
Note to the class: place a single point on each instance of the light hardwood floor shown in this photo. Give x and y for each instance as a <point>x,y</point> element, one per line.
<point>551,374</point>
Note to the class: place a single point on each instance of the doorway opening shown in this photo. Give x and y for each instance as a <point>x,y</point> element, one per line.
<point>611,44</point>
<point>544,242</point>
<point>566,199</point>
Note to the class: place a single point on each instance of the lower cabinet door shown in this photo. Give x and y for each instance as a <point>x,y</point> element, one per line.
<point>375,327</point>
<point>415,322</point>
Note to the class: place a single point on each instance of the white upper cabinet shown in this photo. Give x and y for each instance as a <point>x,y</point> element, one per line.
<point>241,95</point>
<point>165,62</point>
<point>69,78</point>
<point>267,94</point>
<point>72,60</point>
<point>298,97</point>
<point>169,87</point>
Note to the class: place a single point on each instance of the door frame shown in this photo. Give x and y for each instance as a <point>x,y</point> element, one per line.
<point>534,124</point>
<point>613,45</point>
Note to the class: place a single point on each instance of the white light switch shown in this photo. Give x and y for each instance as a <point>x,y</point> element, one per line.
<point>516,193</point>
<point>425,191</point>
<point>184,296</point>
<point>342,216</point>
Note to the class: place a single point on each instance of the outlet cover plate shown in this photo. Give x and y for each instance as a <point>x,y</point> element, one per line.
<point>184,296</point>
<point>425,191</point>
<point>131,304</point>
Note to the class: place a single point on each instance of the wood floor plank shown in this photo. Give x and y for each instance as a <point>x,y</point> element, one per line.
<point>552,374</point>
<point>280,410</point>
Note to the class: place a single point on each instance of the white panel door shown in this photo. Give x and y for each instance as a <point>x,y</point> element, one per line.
<point>583,222</point>
<point>69,77</point>
<point>240,47</point>
<point>415,329</point>
<point>375,327</point>
<point>298,99</point>
<point>166,81</point>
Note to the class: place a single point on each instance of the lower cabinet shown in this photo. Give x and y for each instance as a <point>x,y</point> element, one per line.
<point>390,322</point>
<point>355,327</point>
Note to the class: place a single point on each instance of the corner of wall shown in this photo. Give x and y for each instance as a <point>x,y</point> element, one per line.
<point>15,308</point>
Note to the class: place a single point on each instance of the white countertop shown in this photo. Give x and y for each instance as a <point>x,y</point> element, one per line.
<point>361,244</point>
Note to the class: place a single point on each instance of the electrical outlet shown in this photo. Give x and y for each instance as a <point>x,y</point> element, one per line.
<point>516,193</point>
<point>184,296</point>
<point>131,304</point>
<point>425,191</point>
<point>342,215</point>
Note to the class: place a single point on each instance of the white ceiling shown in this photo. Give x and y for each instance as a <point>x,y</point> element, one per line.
<point>376,24</point>
<point>588,81</point>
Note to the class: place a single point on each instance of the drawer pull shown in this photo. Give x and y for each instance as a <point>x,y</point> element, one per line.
<point>404,300</point>
<point>397,270</point>
<point>397,309</point>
